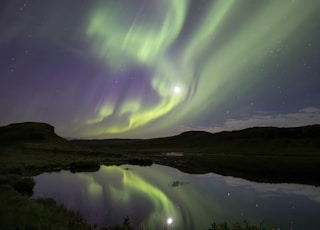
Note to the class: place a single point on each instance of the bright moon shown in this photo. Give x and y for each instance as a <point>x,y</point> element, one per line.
<point>176,89</point>
<point>169,221</point>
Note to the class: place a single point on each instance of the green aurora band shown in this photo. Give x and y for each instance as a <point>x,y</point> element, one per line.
<point>208,64</point>
<point>129,185</point>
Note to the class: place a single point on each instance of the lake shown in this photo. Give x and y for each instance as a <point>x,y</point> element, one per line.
<point>161,197</point>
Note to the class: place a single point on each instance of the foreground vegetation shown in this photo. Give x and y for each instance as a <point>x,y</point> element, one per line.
<point>18,211</point>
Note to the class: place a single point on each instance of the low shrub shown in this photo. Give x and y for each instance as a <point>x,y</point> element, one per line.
<point>84,166</point>
<point>24,186</point>
<point>140,161</point>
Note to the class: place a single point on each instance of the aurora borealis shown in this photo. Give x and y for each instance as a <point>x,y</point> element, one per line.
<point>148,68</point>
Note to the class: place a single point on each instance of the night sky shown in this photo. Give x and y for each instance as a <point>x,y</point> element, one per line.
<point>150,68</point>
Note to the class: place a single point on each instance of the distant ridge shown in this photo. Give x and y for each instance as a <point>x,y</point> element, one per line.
<point>250,140</point>
<point>274,132</point>
<point>195,133</point>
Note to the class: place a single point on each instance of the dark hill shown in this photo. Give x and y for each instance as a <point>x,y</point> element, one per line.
<point>26,132</point>
<point>32,135</point>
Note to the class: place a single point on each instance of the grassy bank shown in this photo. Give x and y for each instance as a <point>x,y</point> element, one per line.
<point>18,211</point>
<point>260,168</point>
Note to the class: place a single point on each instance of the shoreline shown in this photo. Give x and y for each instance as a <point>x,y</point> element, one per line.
<point>258,168</point>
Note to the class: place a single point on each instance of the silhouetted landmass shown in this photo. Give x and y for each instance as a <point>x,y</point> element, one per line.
<point>33,136</point>
<point>260,153</point>
<point>32,148</point>
<point>258,140</point>
<point>28,132</point>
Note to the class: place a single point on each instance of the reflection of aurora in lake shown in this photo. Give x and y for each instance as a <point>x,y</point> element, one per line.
<point>106,197</point>
<point>134,185</point>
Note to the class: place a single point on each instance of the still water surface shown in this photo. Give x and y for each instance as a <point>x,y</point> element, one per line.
<point>161,197</point>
